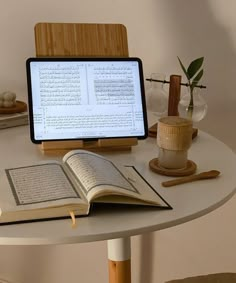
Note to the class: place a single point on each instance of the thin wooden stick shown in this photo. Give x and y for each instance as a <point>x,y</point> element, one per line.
<point>167,82</point>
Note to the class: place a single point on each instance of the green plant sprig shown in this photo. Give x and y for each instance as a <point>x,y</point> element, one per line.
<point>193,74</point>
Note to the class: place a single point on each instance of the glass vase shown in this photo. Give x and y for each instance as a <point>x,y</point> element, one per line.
<point>157,97</point>
<point>199,109</point>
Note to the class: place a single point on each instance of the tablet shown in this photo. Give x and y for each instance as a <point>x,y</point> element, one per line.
<point>86,98</point>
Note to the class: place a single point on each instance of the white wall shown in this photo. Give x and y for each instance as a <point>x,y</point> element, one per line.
<point>158,32</point>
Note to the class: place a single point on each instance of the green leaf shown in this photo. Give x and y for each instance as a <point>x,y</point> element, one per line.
<point>198,76</point>
<point>194,67</point>
<point>183,68</point>
<point>196,79</point>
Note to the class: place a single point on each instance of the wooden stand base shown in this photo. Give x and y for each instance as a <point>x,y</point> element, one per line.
<point>61,147</point>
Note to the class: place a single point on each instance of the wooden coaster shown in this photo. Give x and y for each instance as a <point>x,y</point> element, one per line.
<point>152,131</point>
<point>188,170</point>
<point>19,107</point>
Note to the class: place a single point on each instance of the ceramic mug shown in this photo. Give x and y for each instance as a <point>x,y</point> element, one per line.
<point>174,138</point>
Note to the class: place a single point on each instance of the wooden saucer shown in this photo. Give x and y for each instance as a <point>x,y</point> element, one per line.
<point>19,107</point>
<point>188,170</point>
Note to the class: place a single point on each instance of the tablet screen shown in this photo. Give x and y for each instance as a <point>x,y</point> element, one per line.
<point>86,98</point>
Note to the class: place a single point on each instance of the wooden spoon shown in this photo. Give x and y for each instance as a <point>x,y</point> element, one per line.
<point>196,177</point>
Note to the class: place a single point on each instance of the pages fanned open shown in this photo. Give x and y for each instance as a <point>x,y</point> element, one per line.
<point>53,189</point>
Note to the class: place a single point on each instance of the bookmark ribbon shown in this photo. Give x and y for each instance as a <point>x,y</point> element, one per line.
<point>72,215</point>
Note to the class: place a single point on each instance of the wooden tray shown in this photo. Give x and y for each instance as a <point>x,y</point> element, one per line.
<point>19,107</point>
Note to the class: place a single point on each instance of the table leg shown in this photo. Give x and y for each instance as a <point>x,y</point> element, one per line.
<point>119,255</point>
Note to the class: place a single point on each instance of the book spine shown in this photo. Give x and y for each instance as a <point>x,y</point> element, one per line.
<point>13,123</point>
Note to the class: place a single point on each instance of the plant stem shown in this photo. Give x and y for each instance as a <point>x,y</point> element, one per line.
<point>191,105</point>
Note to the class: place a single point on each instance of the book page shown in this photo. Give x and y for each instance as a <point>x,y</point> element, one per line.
<point>147,194</point>
<point>102,180</point>
<point>41,185</point>
<point>93,171</point>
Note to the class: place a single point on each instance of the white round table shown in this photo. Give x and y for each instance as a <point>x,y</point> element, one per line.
<point>118,224</point>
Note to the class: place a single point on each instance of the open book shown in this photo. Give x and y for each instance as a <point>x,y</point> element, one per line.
<point>54,189</point>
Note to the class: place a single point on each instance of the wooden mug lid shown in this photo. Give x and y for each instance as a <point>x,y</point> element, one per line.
<point>175,121</point>
<point>174,133</point>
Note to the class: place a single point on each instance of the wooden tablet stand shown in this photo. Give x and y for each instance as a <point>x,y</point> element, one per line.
<point>78,40</point>
<point>98,145</point>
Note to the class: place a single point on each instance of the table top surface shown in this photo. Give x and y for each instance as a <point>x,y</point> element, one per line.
<point>189,201</point>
